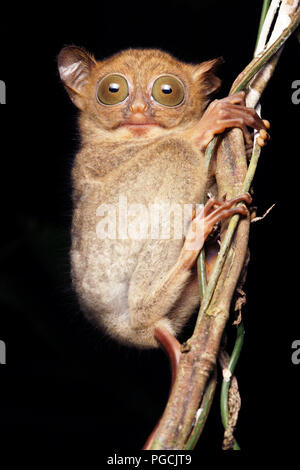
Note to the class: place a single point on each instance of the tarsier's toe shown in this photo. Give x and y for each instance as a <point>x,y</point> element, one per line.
<point>246,197</point>
<point>242,210</point>
<point>263,134</point>
<point>266,123</point>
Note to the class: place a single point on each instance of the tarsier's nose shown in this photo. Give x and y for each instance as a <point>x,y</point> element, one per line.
<point>138,106</point>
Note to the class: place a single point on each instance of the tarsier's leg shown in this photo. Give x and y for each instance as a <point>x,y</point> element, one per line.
<point>150,303</point>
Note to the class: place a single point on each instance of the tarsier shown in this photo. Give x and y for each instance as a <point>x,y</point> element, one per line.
<point>145,122</point>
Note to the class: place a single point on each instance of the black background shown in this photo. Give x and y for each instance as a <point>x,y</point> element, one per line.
<point>65,386</point>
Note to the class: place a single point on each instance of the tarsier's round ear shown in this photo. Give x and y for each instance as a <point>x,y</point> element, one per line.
<point>75,65</point>
<point>205,75</point>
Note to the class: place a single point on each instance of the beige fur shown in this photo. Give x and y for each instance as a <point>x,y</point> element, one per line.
<point>131,286</point>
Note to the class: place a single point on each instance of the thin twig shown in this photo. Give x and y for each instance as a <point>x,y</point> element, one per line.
<point>267,16</point>
<point>202,413</point>
<point>226,381</point>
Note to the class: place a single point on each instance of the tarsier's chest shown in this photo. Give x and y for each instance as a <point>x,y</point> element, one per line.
<point>170,170</point>
<point>124,208</point>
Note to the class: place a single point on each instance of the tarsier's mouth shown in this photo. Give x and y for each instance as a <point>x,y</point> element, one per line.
<point>139,123</point>
<point>140,128</point>
<point>129,123</point>
<point>139,119</point>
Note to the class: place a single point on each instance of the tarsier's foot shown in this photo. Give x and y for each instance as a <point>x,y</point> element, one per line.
<point>202,225</point>
<point>227,113</point>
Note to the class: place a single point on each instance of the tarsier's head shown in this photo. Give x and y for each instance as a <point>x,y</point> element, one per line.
<point>137,91</point>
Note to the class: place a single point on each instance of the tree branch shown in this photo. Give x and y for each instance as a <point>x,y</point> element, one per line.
<point>198,358</point>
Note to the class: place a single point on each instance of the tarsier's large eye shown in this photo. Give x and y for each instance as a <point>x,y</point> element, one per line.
<point>168,90</point>
<point>112,89</point>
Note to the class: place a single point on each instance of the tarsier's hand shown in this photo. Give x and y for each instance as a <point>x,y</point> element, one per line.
<point>226,113</point>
